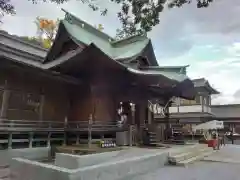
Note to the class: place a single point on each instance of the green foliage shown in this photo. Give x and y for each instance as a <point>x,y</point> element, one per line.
<point>136,16</point>
<point>6,8</point>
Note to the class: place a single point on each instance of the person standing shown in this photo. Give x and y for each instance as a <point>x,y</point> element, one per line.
<point>223,139</point>
<point>231,136</point>
<point>219,143</point>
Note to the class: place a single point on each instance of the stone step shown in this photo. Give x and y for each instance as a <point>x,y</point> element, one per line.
<point>194,159</point>
<point>188,148</point>
<point>122,168</point>
<point>188,153</point>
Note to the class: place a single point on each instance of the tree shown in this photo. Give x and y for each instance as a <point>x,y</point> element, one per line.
<point>136,16</point>
<point>46,30</point>
<point>6,8</point>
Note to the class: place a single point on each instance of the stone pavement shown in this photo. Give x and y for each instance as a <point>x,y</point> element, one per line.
<point>227,154</point>
<point>227,167</point>
<point>197,171</point>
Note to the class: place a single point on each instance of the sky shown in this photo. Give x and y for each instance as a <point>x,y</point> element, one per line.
<point>206,39</point>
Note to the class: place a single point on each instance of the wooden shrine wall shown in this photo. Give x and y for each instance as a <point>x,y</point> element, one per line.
<point>86,101</point>
<point>33,97</point>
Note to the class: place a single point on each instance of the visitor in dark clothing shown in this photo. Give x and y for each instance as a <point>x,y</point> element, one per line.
<point>231,136</point>
<point>223,140</point>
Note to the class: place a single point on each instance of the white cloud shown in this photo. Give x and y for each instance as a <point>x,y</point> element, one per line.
<point>234,50</point>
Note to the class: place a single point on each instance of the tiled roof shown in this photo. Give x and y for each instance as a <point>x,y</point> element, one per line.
<point>84,33</point>
<point>202,82</point>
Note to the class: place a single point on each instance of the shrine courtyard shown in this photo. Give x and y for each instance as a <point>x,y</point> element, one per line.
<point>221,165</point>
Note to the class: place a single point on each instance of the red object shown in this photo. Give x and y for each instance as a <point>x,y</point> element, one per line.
<point>212,143</point>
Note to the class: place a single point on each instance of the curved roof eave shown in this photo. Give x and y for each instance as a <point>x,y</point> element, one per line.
<point>182,86</point>
<point>67,58</point>
<point>183,89</point>
<point>211,89</point>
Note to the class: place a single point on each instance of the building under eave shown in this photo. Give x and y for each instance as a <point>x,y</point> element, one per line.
<point>229,114</point>
<point>192,111</point>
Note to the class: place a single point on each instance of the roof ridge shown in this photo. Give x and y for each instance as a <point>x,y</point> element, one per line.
<point>84,23</point>
<point>129,38</point>
<point>105,36</point>
<point>198,79</point>
<point>18,38</point>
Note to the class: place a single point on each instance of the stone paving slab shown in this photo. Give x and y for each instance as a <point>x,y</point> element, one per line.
<point>77,161</point>
<point>132,161</point>
<point>5,172</point>
<point>130,152</point>
<point>227,154</point>
<point>197,171</point>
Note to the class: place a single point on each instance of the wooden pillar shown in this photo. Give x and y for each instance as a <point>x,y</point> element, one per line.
<point>90,131</point>
<point>10,140</point>
<point>41,108</point>
<point>64,138</point>
<point>141,118</point>
<point>142,112</point>
<point>102,137</point>
<point>149,112</point>
<point>178,104</point>
<point>64,133</point>
<point>130,135</point>
<point>77,139</point>
<point>30,140</point>
<point>133,110</point>
<point>49,139</point>
<point>149,116</point>
<point>202,102</point>
<point>133,130</point>
<point>5,101</point>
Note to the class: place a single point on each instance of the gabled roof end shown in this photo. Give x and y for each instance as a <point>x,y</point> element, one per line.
<point>87,26</point>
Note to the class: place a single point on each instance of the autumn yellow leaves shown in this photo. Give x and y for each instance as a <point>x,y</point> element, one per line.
<point>46,29</point>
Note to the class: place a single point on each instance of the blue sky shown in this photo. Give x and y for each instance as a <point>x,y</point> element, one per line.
<point>206,39</point>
